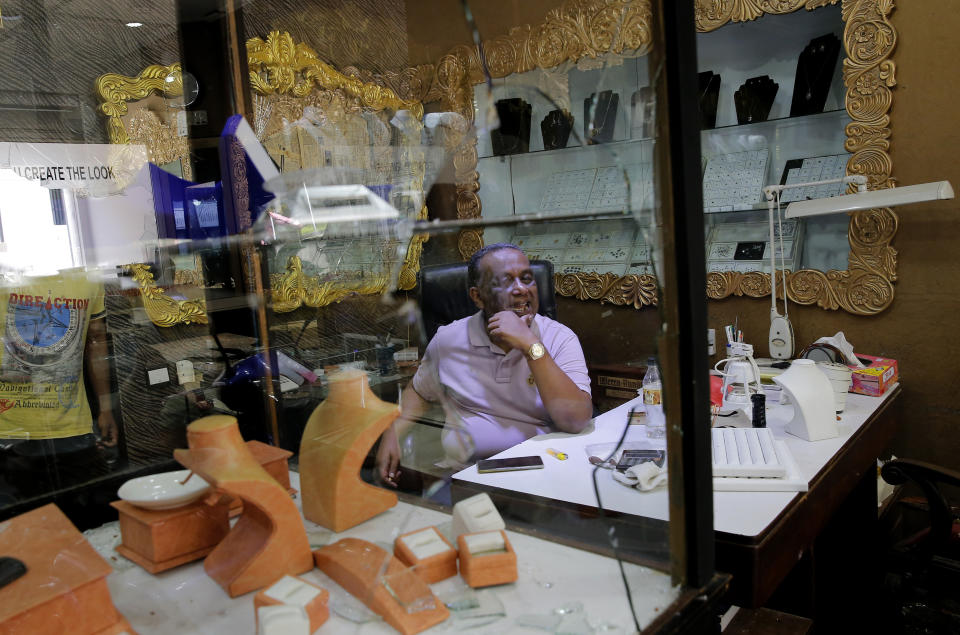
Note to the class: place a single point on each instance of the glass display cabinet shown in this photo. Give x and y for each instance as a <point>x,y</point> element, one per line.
<point>237,287</point>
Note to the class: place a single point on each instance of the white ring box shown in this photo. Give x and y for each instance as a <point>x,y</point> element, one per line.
<point>487,558</point>
<point>477,513</point>
<point>430,555</point>
<point>293,592</point>
<point>282,619</point>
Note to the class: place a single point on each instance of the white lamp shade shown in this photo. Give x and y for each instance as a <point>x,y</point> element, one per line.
<point>890,197</point>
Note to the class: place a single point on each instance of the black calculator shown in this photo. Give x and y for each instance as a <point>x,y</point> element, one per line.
<point>629,458</point>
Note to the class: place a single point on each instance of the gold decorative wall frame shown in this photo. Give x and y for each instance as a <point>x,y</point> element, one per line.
<point>590,28</point>
<point>159,136</point>
<point>292,73</point>
<point>279,67</point>
<point>162,309</point>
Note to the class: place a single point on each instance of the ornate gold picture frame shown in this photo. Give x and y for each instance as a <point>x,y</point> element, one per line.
<point>284,75</point>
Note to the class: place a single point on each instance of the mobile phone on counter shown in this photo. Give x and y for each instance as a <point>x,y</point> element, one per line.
<point>507,465</point>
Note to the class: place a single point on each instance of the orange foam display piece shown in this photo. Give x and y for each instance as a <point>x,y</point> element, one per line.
<point>487,569</point>
<point>268,540</point>
<point>274,461</point>
<point>160,539</point>
<point>317,609</point>
<point>383,583</point>
<point>432,568</point>
<point>64,589</point>
<point>335,441</point>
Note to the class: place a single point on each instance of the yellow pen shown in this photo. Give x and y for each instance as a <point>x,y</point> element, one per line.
<point>560,456</point>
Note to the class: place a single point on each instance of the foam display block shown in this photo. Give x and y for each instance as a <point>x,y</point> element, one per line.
<point>485,567</point>
<point>477,513</point>
<point>430,555</point>
<point>336,440</point>
<point>294,591</point>
<point>161,539</point>
<point>383,583</point>
<point>269,539</point>
<point>64,589</point>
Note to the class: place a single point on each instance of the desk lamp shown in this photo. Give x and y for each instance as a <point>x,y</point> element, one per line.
<point>781,330</point>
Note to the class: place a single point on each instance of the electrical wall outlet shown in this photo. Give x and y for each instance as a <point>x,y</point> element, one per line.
<point>158,376</point>
<point>185,371</point>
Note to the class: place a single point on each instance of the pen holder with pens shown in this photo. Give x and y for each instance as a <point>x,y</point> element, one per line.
<point>741,377</point>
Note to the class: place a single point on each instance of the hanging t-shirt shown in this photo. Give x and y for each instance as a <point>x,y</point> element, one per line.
<point>44,322</point>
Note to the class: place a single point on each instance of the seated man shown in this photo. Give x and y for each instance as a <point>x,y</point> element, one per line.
<point>503,375</point>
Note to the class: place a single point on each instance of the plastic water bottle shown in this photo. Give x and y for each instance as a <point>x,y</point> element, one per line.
<point>653,401</point>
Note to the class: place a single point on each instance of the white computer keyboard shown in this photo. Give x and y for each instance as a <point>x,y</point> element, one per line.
<point>746,452</point>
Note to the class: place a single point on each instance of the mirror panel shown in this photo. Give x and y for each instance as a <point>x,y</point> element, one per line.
<point>840,262</point>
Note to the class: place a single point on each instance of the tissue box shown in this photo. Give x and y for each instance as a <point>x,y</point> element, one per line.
<point>876,378</point>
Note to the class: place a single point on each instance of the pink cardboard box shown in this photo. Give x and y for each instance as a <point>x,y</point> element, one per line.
<point>877,377</point>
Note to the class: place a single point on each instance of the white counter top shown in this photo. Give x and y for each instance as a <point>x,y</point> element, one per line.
<point>743,513</point>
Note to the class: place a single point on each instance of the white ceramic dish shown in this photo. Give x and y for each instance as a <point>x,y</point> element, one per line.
<point>163,491</point>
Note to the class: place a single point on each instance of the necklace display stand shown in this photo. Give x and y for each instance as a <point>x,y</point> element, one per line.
<point>268,540</point>
<point>599,127</point>
<point>754,99</point>
<point>814,75</point>
<point>556,127</point>
<point>709,96</point>
<point>335,442</point>
<point>513,135</point>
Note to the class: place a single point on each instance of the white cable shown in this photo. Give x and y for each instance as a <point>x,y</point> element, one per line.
<point>783,259</point>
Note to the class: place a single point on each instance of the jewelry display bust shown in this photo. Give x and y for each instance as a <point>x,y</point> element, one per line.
<point>556,127</point>
<point>600,119</point>
<point>268,539</point>
<point>513,135</point>
<point>814,74</point>
<point>709,96</point>
<point>754,99</point>
<point>335,442</point>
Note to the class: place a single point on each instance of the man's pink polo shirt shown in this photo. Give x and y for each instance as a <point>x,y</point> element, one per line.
<point>490,399</point>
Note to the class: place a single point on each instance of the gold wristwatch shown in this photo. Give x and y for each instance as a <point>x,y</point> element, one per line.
<point>536,351</point>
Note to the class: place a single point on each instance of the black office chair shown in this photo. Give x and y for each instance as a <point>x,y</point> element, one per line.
<point>921,558</point>
<point>444,297</point>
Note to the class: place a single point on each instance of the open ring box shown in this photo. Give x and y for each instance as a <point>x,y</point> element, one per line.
<point>487,558</point>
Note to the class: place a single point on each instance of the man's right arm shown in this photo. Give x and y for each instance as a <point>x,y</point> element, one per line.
<point>412,407</point>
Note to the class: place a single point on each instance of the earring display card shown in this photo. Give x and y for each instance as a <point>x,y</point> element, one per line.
<point>609,192</point>
<point>593,247</point>
<point>709,96</point>
<point>734,181</point>
<point>597,189</point>
<point>745,247</point>
<point>814,75</point>
<point>814,169</point>
<point>568,191</point>
<point>754,99</point>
